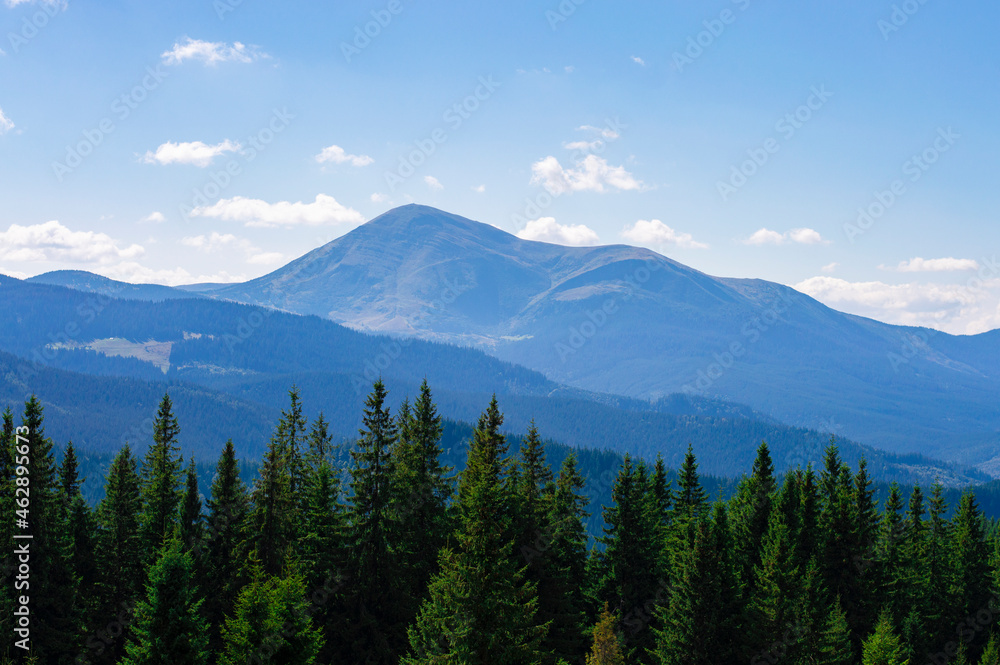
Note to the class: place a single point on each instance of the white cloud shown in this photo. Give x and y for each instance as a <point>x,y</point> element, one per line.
<point>479,189</point>
<point>211,53</point>
<point>639,61</point>
<point>546,229</point>
<point>50,3</point>
<point>196,153</point>
<point>656,233</point>
<point>934,265</point>
<point>378,197</point>
<point>569,69</point>
<point>215,242</point>
<point>16,274</point>
<point>6,124</point>
<point>52,241</point>
<point>130,271</point>
<point>592,173</point>
<point>336,154</point>
<point>255,212</point>
<point>153,218</point>
<point>830,267</point>
<point>586,146</point>
<point>968,308</point>
<point>800,236</point>
<point>433,182</point>
<point>606,132</point>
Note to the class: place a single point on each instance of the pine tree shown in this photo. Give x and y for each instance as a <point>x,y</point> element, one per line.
<point>835,641</point>
<point>192,528</point>
<point>56,628</point>
<point>772,609</point>
<point>320,442</point>
<point>80,530</point>
<point>883,646</point>
<point>119,553</point>
<point>863,608</point>
<point>629,563</point>
<point>690,500</point>
<point>890,549</point>
<point>225,551</point>
<point>695,621</point>
<point>271,524</point>
<point>271,624</point>
<point>972,578</point>
<point>422,494</point>
<point>291,436</point>
<point>561,589</point>
<point>168,627</point>
<point>324,554</point>
<point>161,472</point>
<point>606,649</point>
<point>377,603</point>
<point>991,654</point>
<point>751,512</point>
<point>480,609</point>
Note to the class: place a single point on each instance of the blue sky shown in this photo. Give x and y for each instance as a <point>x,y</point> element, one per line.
<point>740,138</point>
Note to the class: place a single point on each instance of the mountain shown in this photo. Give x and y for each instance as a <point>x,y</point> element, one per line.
<point>253,355</point>
<point>86,281</point>
<point>626,320</point>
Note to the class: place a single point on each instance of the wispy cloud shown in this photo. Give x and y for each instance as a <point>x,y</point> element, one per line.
<point>211,53</point>
<point>798,236</point>
<point>336,154</point>
<point>546,229</point>
<point>948,264</point>
<point>255,212</point>
<point>196,153</point>
<point>639,61</point>
<point>433,182</point>
<point>153,218</point>
<point>6,124</point>
<point>215,242</point>
<point>654,233</point>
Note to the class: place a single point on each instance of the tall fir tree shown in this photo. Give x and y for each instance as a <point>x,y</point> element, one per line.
<point>192,522</point>
<point>120,555</point>
<point>480,608</point>
<point>81,528</point>
<point>751,513</point>
<point>161,479</point>
<point>377,604</point>
<point>606,648</point>
<point>225,548</point>
<point>169,628</point>
<point>883,646</point>
<point>971,577</point>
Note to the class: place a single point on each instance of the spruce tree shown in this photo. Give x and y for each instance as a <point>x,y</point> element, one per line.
<point>56,630</point>
<point>192,527</point>
<point>168,627</point>
<point>774,602</point>
<point>894,585</point>
<point>991,654</point>
<point>606,648</point>
<point>883,646</point>
<point>423,491</point>
<point>480,609</point>
<point>119,553</point>
<point>377,602</point>
<point>161,475</point>
<point>271,624</point>
<point>320,442</point>
<point>225,551</point>
<point>273,522</point>
<point>835,640</point>
<point>751,512</point>
<point>81,529</point>
<point>971,577</point>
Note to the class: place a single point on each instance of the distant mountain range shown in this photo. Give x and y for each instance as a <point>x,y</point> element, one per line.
<point>225,359</point>
<point>627,321</point>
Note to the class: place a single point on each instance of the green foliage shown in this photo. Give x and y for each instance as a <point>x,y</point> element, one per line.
<point>168,627</point>
<point>161,473</point>
<point>883,646</point>
<point>606,649</point>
